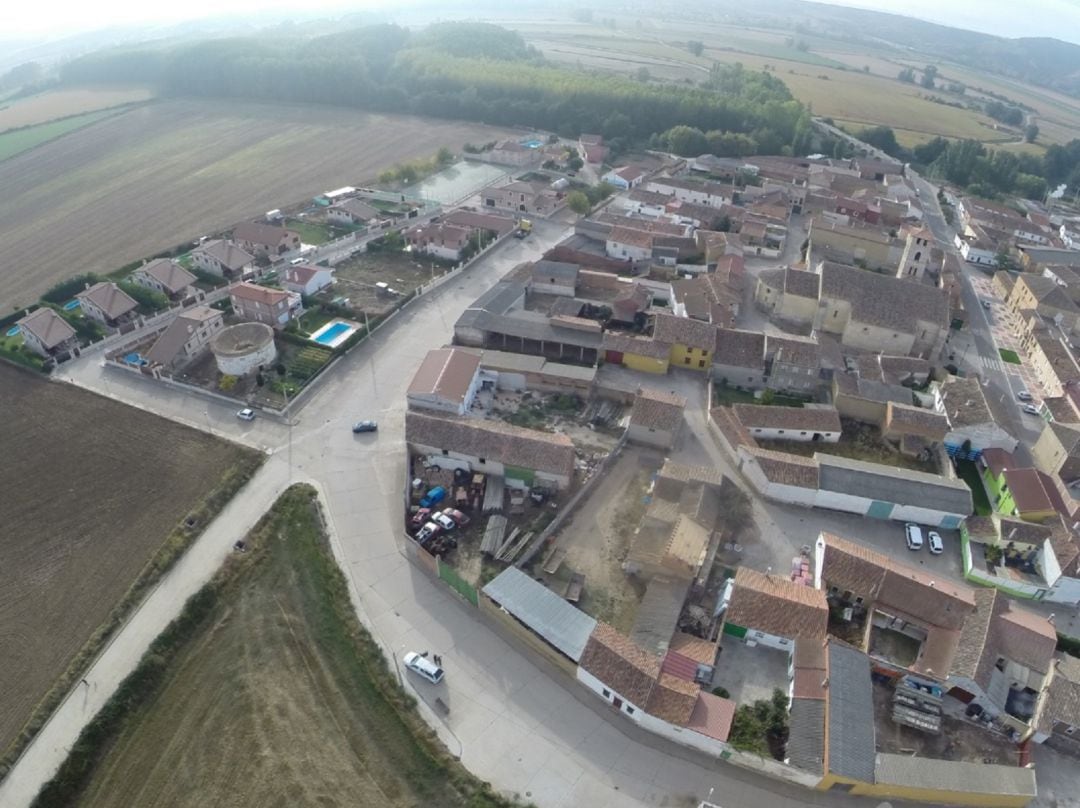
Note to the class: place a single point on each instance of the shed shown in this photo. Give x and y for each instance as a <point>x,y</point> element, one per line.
<point>562,625</point>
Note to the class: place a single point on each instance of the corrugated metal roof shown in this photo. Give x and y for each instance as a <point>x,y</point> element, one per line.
<point>806,738</point>
<point>561,624</point>
<point>851,739</point>
<point>952,775</point>
<point>900,486</point>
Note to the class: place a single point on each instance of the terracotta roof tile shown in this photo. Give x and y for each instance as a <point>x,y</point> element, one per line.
<point>777,606</point>
<point>816,419</point>
<point>672,699</point>
<point>656,409</point>
<point>712,716</point>
<point>684,331</point>
<point>786,468</point>
<point>621,664</point>
<point>49,327</point>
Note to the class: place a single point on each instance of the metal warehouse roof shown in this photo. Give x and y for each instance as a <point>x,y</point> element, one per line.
<point>806,741</point>
<point>851,737</point>
<point>561,624</point>
<point>956,776</point>
<point>888,484</point>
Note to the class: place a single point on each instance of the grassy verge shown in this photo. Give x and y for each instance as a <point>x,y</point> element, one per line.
<point>190,528</point>
<point>265,685</point>
<point>17,141</point>
<point>969,473</point>
<point>14,350</point>
<point>1012,357</point>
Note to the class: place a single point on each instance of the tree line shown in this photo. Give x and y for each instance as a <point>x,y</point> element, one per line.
<point>986,171</point>
<point>470,71</point>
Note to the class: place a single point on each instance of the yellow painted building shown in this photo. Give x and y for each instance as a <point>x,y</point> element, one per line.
<point>691,342</point>
<point>636,353</point>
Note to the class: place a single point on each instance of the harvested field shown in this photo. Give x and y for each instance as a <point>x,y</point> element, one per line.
<point>55,104</point>
<point>356,279</point>
<point>268,692</point>
<point>164,173</point>
<point>92,490</point>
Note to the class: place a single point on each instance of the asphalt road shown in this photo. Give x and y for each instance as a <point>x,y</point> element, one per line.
<point>1000,387</point>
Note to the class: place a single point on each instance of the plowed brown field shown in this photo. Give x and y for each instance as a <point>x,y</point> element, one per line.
<point>153,177</point>
<point>89,490</point>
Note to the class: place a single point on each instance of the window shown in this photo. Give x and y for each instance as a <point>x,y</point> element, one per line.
<point>1070,730</point>
<point>781,432</point>
<point>445,452</point>
<point>607,693</point>
<point>701,363</point>
<point>482,460</point>
<point>1000,664</point>
<point>785,642</point>
<point>858,601</point>
<point>630,710</point>
<point>686,360</point>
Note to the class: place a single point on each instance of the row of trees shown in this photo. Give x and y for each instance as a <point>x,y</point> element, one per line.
<point>985,171</point>
<point>458,70</point>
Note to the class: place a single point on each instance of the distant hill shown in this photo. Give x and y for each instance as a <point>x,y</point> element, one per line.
<point>1040,61</point>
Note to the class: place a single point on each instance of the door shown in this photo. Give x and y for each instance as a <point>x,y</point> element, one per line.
<point>616,702</point>
<point>880,510</point>
<point>614,357</point>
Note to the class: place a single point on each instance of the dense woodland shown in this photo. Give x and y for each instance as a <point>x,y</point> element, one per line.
<point>470,71</point>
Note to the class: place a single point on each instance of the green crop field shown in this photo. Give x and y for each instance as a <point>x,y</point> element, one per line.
<point>19,140</point>
<point>266,692</point>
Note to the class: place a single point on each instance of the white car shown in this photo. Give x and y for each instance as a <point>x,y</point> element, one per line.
<point>937,546</point>
<point>246,414</point>
<point>1030,409</point>
<point>1024,395</point>
<point>444,521</point>
<point>914,536</point>
<point>422,667</point>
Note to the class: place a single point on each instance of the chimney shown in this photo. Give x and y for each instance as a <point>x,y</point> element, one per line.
<point>932,584</point>
<point>1050,618</point>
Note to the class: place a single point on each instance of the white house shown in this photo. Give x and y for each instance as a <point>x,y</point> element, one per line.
<point>625,177</point>
<point>804,424</point>
<point>307,279</point>
<point>223,258</point>
<point>656,417</point>
<point>975,252</point>
<point>47,333</point>
<point>352,212</point>
<point>447,381</point>
<point>524,457</point>
<point>629,245</point>
<point>712,194</point>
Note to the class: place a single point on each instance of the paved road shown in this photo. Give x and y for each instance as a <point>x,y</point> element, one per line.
<point>513,723</point>
<point>1000,387</point>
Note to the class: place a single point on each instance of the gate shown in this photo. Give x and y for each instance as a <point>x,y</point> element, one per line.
<point>457,583</point>
<point>880,510</point>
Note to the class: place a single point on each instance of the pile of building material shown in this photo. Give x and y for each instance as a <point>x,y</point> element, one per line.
<point>494,495</point>
<point>493,534</point>
<point>513,545</point>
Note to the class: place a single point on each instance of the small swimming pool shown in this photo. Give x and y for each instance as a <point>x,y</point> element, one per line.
<point>532,143</point>
<point>13,331</point>
<point>71,305</point>
<point>334,333</point>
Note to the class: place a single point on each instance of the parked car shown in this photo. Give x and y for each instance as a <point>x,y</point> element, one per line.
<point>433,497</point>
<point>246,414</point>
<point>1024,395</point>
<point>441,545</point>
<point>444,521</point>
<point>459,518</point>
<point>365,426</point>
<point>420,517</point>
<point>914,536</point>
<point>421,666</point>
<point>1030,409</point>
<point>937,546</point>
<point>986,304</point>
<point>428,532</point>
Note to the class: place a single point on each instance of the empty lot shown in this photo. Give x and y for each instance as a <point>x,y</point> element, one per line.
<point>274,695</point>
<point>91,489</point>
<point>168,172</point>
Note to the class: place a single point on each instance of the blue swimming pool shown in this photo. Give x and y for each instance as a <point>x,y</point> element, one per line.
<point>532,144</point>
<point>333,334</point>
<point>11,332</point>
<point>71,305</point>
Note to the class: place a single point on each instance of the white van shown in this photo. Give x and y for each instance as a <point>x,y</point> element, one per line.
<point>914,536</point>
<point>422,667</point>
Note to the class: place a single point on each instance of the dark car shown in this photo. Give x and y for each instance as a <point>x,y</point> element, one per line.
<point>365,426</point>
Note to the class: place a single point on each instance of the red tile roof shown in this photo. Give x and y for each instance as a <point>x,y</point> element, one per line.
<point>712,716</point>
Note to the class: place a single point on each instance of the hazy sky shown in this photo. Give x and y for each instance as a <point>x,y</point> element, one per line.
<point>1058,18</point>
